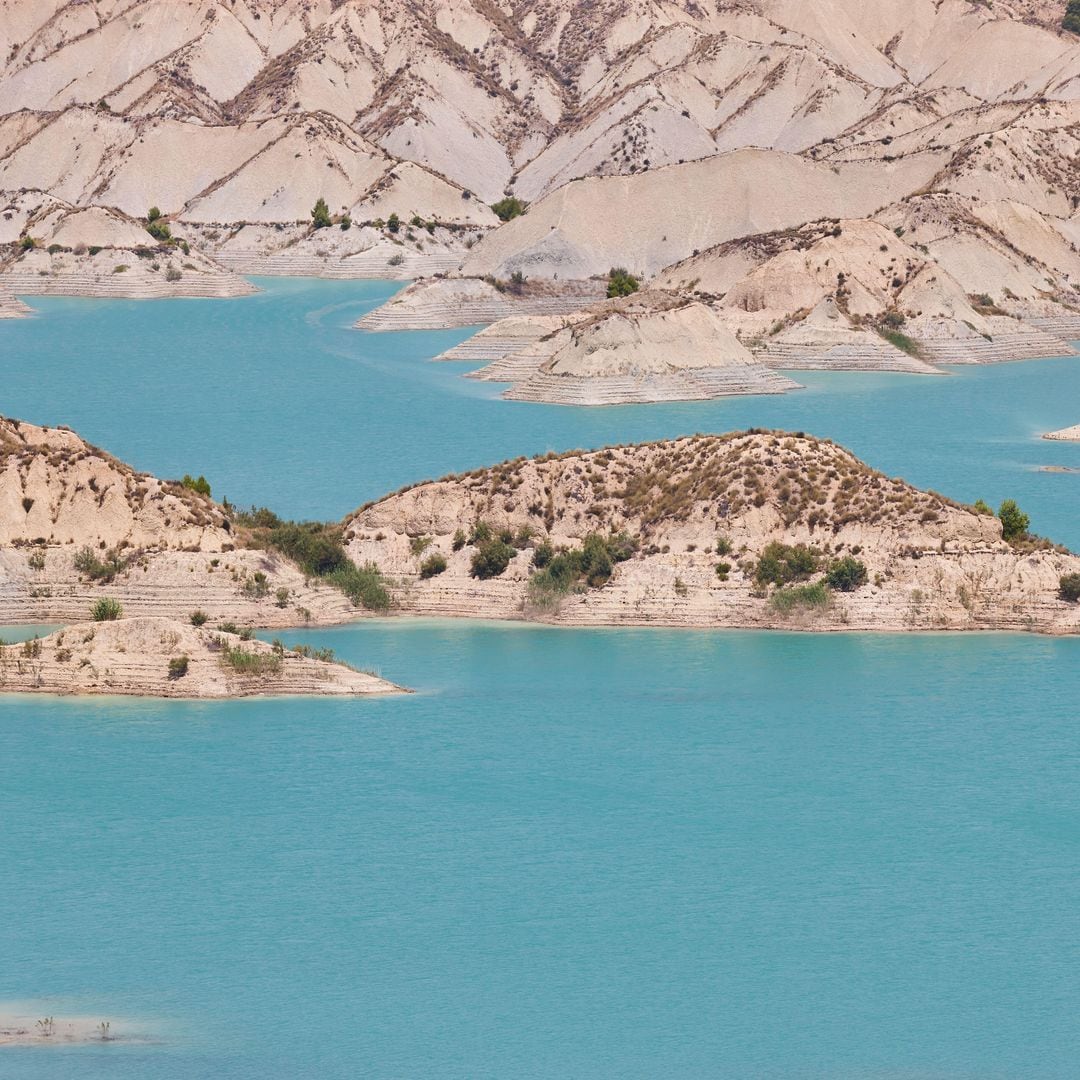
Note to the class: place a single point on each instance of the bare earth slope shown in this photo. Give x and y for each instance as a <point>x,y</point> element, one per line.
<point>693,518</point>
<point>642,134</point>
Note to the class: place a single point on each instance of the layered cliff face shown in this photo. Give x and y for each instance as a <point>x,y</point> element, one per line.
<point>683,533</point>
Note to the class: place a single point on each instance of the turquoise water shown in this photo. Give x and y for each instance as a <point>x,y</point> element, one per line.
<point>572,853</point>
<point>278,402</point>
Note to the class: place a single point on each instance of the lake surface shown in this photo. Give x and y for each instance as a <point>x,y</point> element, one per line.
<point>572,853</point>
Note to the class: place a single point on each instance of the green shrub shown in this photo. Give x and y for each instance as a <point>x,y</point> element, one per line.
<point>106,610</point>
<point>780,564</point>
<point>433,565</point>
<point>320,214</point>
<point>199,618</point>
<point>346,223</point>
<point>592,565</point>
<point>27,242</point>
<point>492,558</point>
<point>723,546</point>
<point>173,274</point>
<point>621,282</point>
<point>326,655</point>
<point>846,574</point>
<point>1071,21</point>
<point>257,517</point>
<point>393,223</point>
<point>178,667</point>
<point>1069,589</point>
<point>981,508</point>
<point>197,484</point>
<point>900,341</point>
<point>99,570</point>
<point>723,570</point>
<point>419,544</point>
<point>1014,522</point>
<point>281,597</point>
<point>248,663</point>
<point>159,230</point>
<point>481,533</point>
<point>543,554</point>
<point>257,586</point>
<point>809,597</point>
<point>508,208</point>
<point>317,552</point>
<point>460,540</point>
<point>364,585</point>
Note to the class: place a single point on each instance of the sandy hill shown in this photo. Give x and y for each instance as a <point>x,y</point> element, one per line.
<point>56,487</point>
<point>78,526</point>
<point>684,533</point>
<point>163,658</point>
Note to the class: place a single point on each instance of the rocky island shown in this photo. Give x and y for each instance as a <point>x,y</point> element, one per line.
<point>757,529</point>
<point>160,657</point>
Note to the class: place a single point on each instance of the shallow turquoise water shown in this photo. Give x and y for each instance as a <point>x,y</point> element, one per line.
<point>573,853</point>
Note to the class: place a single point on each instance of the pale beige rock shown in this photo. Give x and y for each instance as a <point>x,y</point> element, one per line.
<point>450,302</point>
<point>132,657</point>
<point>648,347</point>
<point>1069,434</point>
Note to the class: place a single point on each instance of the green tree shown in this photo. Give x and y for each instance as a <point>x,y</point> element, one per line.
<point>846,574</point>
<point>1069,589</point>
<point>1014,522</point>
<point>491,559</point>
<point>320,215</point>
<point>510,207</point>
<point>199,484</point>
<point>1072,17</point>
<point>621,282</point>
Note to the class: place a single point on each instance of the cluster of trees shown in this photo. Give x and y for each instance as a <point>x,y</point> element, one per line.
<point>1072,17</point>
